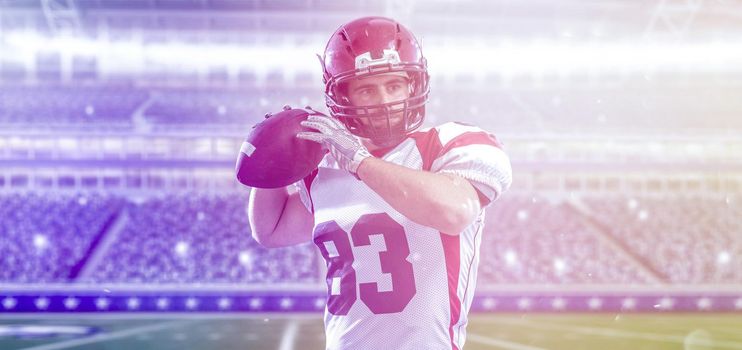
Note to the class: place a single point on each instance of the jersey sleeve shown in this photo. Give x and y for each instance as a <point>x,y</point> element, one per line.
<point>303,187</point>
<point>476,155</point>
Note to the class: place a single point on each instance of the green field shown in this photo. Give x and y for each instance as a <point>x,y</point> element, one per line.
<point>305,332</point>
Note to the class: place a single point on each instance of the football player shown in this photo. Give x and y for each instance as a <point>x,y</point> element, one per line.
<point>395,210</point>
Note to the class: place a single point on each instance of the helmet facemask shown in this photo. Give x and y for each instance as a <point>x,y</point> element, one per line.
<point>380,122</point>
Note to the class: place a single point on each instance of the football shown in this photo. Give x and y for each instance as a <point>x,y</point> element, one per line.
<point>271,156</point>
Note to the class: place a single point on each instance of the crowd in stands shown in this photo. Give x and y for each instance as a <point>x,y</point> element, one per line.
<point>81,105</point>
<point>534,240</point>
<point>199,238</point>
<point>116,106</point>
<point>687,239</point>
<point>188,239</point>
<point>243,106</point>
<point>44,237</point>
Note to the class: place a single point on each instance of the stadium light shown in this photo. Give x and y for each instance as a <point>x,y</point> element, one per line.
<point>665,303</point>
<point>224,303</point>
<point>558,303</point>
<point>522,215</point>
<point>286,303</point>
<point>40,241</point>
<point>632,204</point>
<point>245,259</point>
<point>9,303</point>
<point>133,303</point>
<point>507,58</point>
<point>524,303</point>
<point>595,303</point>
<point>162,303</point>
<point>723,258</point>
<point>489,303</point>
<point>191,303</point>
<point>181,248</point>
<point>560,266</point>
<point>628,303</point>
<point>643,215</point>
<point>511,258</point>
<point>42,303</point>
<point>102,303</point>
<point>540,57</point>
<point>256,303</point>
<point>704,303</point>
<point>71,303</point>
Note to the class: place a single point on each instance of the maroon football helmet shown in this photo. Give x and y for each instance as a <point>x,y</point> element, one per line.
<point>371,46</point>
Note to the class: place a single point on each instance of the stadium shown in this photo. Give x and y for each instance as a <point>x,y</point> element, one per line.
<point>122,224</point>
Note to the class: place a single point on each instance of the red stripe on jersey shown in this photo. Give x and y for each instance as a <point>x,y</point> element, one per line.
<point>451,253</point>
<point>308,183</point>
<point>429,145</point>
<point>430,148</point>
<point>473,138</point>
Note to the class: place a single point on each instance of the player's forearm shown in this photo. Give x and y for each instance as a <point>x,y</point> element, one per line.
<point>446,203</point>
<point>264,212</point>
<point>278,218</point>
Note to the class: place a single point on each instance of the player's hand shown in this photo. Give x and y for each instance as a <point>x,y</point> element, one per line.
<point>344,146</point>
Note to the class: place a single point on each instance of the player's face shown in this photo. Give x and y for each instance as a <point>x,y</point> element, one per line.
<point>380,89</point>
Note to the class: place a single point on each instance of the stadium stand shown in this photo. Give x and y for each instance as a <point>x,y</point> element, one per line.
<point>107,106</point>
<point>46,237</point>
<point>687,239</point>
<point>192,238</point>
<point>200,238</point>
<point>113,106</point>
<point>529,240</point>
<point>228,106</point>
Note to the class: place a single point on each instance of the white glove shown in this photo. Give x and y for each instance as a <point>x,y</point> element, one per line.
<point>344,146</point>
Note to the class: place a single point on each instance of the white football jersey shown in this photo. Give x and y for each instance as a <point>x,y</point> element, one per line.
<point>393,283</point>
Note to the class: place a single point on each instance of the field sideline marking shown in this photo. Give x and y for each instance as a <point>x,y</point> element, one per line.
<point>615,333</point>
<point>289,335</point>
<point>500,343</point>
<point>108,336</point>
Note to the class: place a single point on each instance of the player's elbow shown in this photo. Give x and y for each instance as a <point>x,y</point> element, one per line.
<point>453,224</point>
<point>264,239</point>
<point>458,209</point>
<point>452,220</point>
<point>258,233</point>
<point>263,235</point>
